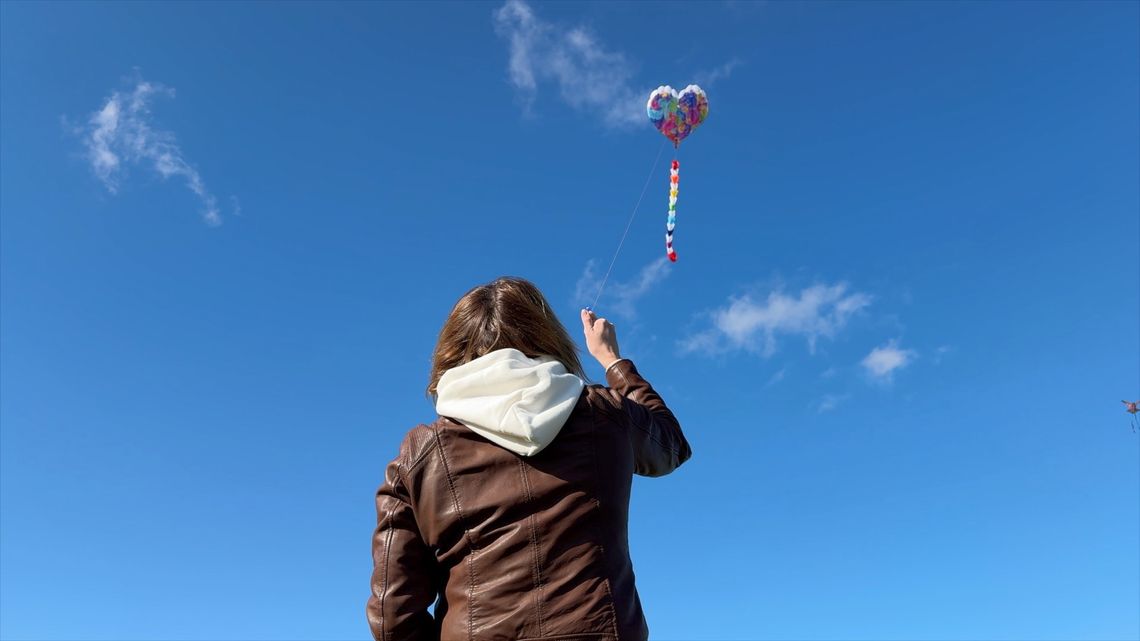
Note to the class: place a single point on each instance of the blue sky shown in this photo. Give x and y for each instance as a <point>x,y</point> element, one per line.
<point>905,312</point>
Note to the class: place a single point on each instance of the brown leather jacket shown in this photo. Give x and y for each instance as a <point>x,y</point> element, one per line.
<point>520,547</point>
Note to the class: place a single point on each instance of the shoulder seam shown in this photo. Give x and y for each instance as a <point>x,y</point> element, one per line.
<point>421,456</point>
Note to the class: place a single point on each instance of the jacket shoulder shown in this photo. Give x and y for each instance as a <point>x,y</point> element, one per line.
<point>416,445</point>
<point>603,399</point>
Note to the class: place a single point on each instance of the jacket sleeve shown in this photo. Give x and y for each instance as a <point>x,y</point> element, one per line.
<point>404,568</point>
<point>659,446</point>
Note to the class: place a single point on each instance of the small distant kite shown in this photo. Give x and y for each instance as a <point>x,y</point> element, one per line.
<point>676,115</point>
<point>1132,407</point>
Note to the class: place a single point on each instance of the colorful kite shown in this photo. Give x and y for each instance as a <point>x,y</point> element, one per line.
<point>676,116</point>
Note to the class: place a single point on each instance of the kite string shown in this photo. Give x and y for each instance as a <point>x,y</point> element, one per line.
<point>629,224</point>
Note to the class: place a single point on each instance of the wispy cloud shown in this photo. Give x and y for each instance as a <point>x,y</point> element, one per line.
<point>884,360</point>
<point>619,297</point>
<point>777,377</point>
<point>709,77</point>
<point>122,133</point>
<point>940,352</point>
<point>589,77</point>
<point>829,402</point>
<point>819,311</point>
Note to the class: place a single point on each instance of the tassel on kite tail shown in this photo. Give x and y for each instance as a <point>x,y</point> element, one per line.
<point>671,221</point>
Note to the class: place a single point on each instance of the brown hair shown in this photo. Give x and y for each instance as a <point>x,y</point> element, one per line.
<point>508,312</point>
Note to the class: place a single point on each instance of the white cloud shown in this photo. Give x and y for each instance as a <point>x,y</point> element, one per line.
<point>122,133</point>
<point>777,377</point>
<point>589,77</point>
<point>882,362</point>
<point>710,77</point>
<point>829,402</point>
<point>942,350</point>
<point>619,298</point>
<point>819,311</point>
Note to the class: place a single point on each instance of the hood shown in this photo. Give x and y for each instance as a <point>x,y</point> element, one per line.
<point>515,401</point>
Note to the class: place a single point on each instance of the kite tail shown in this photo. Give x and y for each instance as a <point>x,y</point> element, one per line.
<point>671,221</point>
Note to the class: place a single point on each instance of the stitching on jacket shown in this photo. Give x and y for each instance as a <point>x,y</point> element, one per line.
<point>470,596</point>
<point>647,432</point>
<point>422,456</point>
<point>598,512</point>
<point>535,568</point>
<point>385,621</point>
<point>610,594</point>
<point>411,467</point>
<point>623,377</point>
<point>654,438</point>
<point>467,533</point>
<point>454,493</point>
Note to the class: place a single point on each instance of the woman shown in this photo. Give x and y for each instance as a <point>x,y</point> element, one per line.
<point>509,512</point>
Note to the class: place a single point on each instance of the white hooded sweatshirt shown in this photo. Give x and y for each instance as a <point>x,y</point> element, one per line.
<point>512,400</point>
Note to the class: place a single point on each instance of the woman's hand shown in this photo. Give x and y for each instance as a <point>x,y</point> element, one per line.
<point>601,338</point>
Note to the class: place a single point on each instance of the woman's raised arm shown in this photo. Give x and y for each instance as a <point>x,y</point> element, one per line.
<point>659,445</point>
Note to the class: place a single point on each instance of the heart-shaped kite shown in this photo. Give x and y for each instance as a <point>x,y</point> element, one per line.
<point>677,115</point>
